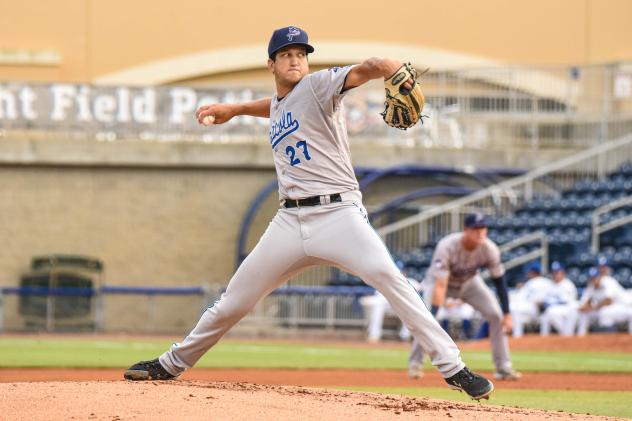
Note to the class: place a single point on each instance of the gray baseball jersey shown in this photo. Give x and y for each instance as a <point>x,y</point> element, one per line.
<point>308,135</point>
<point>450,260</point>
<point>311,154</point>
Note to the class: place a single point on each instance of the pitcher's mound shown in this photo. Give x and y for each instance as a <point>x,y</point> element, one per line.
<point>195,400</point>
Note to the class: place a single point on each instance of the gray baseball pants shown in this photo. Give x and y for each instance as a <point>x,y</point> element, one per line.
<point>337,234</point>
<point>478,295</point>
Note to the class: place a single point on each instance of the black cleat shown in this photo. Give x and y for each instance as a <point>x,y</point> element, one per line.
<point>148,370</point>
<point>478,387</point>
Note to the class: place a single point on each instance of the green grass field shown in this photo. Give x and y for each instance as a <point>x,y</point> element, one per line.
<point>118,353</point>
<point>70,352</point>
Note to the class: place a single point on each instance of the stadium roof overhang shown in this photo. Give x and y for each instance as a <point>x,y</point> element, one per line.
<point>252,57</point>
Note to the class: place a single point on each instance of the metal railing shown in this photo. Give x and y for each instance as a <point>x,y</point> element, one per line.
<point>599,228</point>
<point>471,108</point>
<point>96,318</point>
<point>542,252</point>
<point>316,306</point>
<point>504,198</point>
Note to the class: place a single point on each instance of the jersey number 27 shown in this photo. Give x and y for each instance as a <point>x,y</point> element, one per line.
<point>291,152</point>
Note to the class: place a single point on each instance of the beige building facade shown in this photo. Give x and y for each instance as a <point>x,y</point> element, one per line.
<point>158,42</point>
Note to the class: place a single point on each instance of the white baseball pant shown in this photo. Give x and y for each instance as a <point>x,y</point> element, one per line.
<point>337,234</point>
<point>606,316</point>
<point>561,317</point>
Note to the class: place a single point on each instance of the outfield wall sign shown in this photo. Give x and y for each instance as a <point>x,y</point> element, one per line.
<point>71,104</point>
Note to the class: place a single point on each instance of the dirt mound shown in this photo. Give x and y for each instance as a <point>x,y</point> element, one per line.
<point>192,400</point>
<point>331,378</point>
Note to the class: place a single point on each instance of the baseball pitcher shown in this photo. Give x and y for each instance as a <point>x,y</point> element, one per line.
<point>321,218</point>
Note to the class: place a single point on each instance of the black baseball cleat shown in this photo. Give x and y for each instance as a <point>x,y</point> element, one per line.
<point>478,387</point>
<point>148,370</point>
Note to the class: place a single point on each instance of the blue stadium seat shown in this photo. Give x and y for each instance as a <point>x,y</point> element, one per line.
<point>567,221</point>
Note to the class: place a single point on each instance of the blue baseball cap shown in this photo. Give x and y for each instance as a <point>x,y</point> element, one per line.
<point>290,35</point>
<point>534,267</point>
<point>593,272</point>
<point>556,266</point>
<point>475,220</point>
<point>602,261</point>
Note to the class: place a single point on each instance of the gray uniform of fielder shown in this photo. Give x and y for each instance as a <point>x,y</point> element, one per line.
<point>461,267</point>
<point>309,142</point>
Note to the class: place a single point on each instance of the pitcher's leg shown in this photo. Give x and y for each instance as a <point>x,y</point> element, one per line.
<point>277,256</point>
<point>349,241</point>
<point>479,296</point>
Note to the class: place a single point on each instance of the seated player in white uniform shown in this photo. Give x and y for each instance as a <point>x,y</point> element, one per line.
<point>604,301</point>
<point>456,310</point>
<point>606,271</point>
<point>560,303</point>
<point>525,305</point>
<point>377,308</point>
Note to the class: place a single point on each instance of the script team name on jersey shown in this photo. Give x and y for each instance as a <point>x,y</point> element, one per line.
<point>281,128</point>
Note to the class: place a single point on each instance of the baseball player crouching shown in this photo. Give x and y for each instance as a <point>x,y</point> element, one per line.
<point>454,272</point>
<point>321,218</point>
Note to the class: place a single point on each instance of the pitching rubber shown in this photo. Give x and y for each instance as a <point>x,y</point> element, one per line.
<point>136,375</point>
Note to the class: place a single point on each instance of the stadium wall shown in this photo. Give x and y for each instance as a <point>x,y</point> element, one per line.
<point>160,213</point>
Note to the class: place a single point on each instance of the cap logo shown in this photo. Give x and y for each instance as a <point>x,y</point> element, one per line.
<point>292,32</point>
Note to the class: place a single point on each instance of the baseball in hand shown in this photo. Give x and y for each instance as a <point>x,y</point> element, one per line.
<point>208,120</point>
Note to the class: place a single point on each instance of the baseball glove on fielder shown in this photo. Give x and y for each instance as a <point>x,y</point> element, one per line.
<point>403,107</point>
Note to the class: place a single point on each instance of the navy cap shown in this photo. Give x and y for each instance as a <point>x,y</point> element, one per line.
<point>556,266</point>
<point>593,272</point>
<point>534,267</point>
<point>289,35</point>
<point>602,261</point>
<point>475,220</point>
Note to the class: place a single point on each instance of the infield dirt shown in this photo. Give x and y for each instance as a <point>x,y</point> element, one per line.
<point>193,401</point>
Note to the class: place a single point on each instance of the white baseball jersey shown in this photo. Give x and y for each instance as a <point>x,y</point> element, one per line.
<point>608,288</point>
<point>308,135</point>
<point>562,292</point>
<point>450,260</point>
<point>535,290</point>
